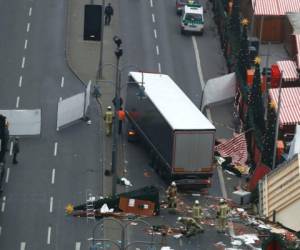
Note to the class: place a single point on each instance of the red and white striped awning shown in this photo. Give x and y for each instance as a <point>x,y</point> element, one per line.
<point>289,70</point>
<point>275,7</point>
<point>290,105</point>
<point>297,38</point>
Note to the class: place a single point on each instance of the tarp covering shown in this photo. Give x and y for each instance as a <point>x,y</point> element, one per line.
<point>70,109</point>
<point>295,146</point>
<point>219,89</point>
<point>259,172</point>
<point>23,122</point>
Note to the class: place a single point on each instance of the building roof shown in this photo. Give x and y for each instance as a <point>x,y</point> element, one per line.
<point>179,111</point>
<point>275,7</point>
<point>290,105</point>
<point>289,70</point>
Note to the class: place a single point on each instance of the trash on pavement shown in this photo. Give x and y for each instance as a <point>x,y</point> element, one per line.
<point>104,209</point>
<point>125,182</point>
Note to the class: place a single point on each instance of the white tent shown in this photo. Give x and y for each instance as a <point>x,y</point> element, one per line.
<point>295,146</point>
<point>219,89</point>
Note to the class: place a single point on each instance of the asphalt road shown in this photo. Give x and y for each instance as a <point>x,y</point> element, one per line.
<point>152,40</point>
<point>54,168</point>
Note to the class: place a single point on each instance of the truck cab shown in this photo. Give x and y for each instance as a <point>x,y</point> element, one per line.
<point>192,19</point>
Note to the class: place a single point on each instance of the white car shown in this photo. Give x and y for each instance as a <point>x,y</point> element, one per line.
<point>192,19</point>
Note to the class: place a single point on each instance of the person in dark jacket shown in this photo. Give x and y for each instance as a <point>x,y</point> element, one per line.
<point>16,150</point>
<point>108,11</point>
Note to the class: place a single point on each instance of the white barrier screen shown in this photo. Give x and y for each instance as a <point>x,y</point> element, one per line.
<point>87,96</point>
<point>70,110</point>
<point>23,122</point>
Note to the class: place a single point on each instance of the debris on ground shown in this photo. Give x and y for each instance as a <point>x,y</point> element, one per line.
<point>124,181</point>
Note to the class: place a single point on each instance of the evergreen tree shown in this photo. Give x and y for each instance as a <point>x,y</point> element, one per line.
<point>244,63</point>
<point>256,98</point>
<point>235,19</point>
<point>269,137</point>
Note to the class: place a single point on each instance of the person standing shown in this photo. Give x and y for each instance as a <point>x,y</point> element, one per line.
<point>15,150</point>
<point>121,116</point>
<point>198,213</point>
<point>171,194</point>
<point>108,118</point>
<point>108,11</point>
<point>222,214</point>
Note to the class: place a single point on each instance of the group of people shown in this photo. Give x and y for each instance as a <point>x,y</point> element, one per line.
<point>193,224</point>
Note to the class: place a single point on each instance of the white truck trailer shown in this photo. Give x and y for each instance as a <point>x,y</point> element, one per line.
<point>179,138</point>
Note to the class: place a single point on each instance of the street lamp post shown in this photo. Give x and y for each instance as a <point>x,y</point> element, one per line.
<point>118,53</point>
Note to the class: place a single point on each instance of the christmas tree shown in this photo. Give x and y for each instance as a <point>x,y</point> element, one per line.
<point>256,98</point>
<point>235,19</point>
<point>244,64</point>
<point>269,137</point>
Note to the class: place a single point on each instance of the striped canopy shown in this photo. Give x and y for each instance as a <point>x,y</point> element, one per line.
<point>275,7</point>
<point>289,70</point>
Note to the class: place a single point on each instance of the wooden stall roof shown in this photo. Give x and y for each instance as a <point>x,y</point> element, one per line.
<point>275,7</point>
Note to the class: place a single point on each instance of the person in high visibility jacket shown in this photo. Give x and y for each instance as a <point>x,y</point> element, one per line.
<point>121,116</point>
<point>197,213</point>
<point>222,214</point>
<point>191,226</point>
<point>108,118</point>
<point>171,195</point>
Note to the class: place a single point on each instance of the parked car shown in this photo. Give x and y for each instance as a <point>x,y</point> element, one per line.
<point>181,3</point>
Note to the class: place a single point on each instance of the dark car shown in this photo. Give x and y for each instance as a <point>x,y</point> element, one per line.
<point>181,3</point>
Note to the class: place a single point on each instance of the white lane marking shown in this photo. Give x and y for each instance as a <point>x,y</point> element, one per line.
<point>77,245</point>
<point>60,99</point>
<point>20,81</point>
<point>55,149</point>
<point>53,176</point>
<point>0,230</point>
<point>151,3</point>
<point>155,33</point>
<point>18,102</point>
<point>28,27</point>
<point>23,246</point>
<point>25,44</point>
<point>3,204</point>
<point>159,67</point>
<point>153,18</point>
<point>23,62</point>
<point>49,236</point>
<point>7,175</point>
<point>30,11</point>
<point>62,82</point>
<point>198,62</point>
<point>11,148</point>
<point>51,204</point>
<point>157,50</point>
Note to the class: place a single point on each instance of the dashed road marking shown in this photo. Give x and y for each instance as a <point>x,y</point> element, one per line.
<point>53,176</point>
<point>23,246</point>
<point>157,49</point>
<point>159,67</point>
<point>55,149</point>
<point>151,3</point>
<point>155,33</point>
<point>28,27</point>
<point>25,44</point>
<point>3,204</point>
<point>7,175</point>
<point>18,102</point>
<point>198,62</point>
<point>51,205</point>
<point>62,82</point>
<point>20,81</point>
<point>49,236</point>
<point>23,62</point>
<point>30,11</point>
<point>11,148</point>
<point>153,18</point>
<point>0,230</point>
<point>77,245</point>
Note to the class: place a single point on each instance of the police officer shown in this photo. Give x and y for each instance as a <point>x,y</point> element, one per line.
<point>108,118</point>
<point>171,194</point>
<point>222,215</point>
<point>191,226</point>
<point>197,213</point>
